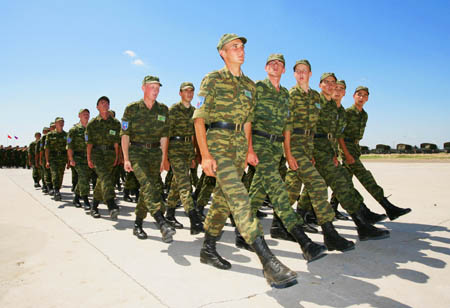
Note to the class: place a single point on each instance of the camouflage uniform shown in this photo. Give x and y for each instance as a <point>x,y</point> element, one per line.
<point>103,135</point>
<point>204,189</point>
<point>55,143</point>
<point>271,117</point>
<point>46,174</point>
<point>324,150</point>
<point>181,154</point>
<point>32,157</point>
<point>76,142</point>
<point>230,99</point>
<point>146,127</point>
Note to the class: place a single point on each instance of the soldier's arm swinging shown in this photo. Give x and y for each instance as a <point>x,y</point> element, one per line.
<point>348,157</point>
<point>209,165</point>
<point>251,158</point>
<point>116,149</point>
<point>165,165</point>
<point>292,162</point>
<point>47,164</point>
<point>126,159</point>
<point>88,154</point>
<point>70,157</point>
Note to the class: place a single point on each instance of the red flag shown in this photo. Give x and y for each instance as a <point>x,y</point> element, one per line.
<point>9,137</point>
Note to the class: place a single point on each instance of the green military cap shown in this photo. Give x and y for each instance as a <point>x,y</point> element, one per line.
<point>151,79</point>
<point>52,124</point>
<point>362,88</point>
<point>228,37</point>
<point>325,75</point>
<point>342,82</point>
<point>59,119</point>
<point>186,85</point>
<point>276,56</point>
<point>46,128</point>
<point>303,61</point>
<point>83,110</point>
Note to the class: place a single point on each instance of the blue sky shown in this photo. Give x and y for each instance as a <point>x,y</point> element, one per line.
<point>59,56</point>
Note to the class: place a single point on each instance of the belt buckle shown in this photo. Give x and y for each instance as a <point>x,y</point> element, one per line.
<point>148,146</point>
<point>330,136</point>
<point>272,138</point>
<point>187,138</point>
<point>238,127</point>
<point>307,132</point>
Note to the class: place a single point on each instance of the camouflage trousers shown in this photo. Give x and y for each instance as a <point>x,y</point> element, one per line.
<point>366,178</point>
<point>57,168</point>
<point>337,177</point>
<point>131,182</point>
<point>180,158</point>
<point>229,149</point>
<point>168,179</point>
<point>146,164</point>
<point>46,176</point>
<point>116,173</point>
<point>247,178</point>
<point>84,174</point>
<point>204,189</point>
<point>194,176</point>
<point>36,174</point>
<point>267,181</point>
<point>104,167</point>
<point>74,175</point>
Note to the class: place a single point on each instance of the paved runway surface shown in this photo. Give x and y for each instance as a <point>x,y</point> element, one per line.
<point>54,255</point>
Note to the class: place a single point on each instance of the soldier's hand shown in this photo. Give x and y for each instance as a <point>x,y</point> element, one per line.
<point>209,166</point>
<point>91,164</point>
<point>193,164</point>
<point>313,161</point>
<point>335,161</point>
<point>252,159</point>
<point>292,162</point>
<point>165,165</point>
<point>47,165</point>
<point>116,161</point>
<point>72,163</point>
<point>67,165</point>
<point>127,166</point>
<point>349,159</point>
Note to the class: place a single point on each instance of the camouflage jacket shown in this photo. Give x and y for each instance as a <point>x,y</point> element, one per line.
<point>180,120</point>
<point>327,124</point>
<point>305,109</point>
<point>56,144</point>
<point>145,125</point>
<point>227,98</point>
<point>356,124</point>
<point>103,132</point>
<point>271,111</point>
<point>32,152</point>
<point>76,140</point>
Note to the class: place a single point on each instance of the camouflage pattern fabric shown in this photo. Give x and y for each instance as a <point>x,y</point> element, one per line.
<point>131,182</point>
<point>32,155</point>
<point>247,178</point>
<point>46,174</point>
<point>205,187</point>
<point>224,97</point>
<point>76,142</point>
<point>100,132</point>
<point>56,144</point>
<point>181,154</point>
<point>148,126</point>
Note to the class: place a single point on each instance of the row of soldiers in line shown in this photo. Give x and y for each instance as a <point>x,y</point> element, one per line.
<point>237,122</point>
<point>13,156</point>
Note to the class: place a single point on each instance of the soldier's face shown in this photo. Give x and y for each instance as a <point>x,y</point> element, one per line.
<point>361,97</point>
<point>59,125</point>
<point>151,90</point>
<point>328,85</point>
<point>84,116</point>
<point>302,73</point>
<point>103,106</point>
<point>187,95</point>
<point>275,68</point>
<point>233,52</point>
<point>339,92</point>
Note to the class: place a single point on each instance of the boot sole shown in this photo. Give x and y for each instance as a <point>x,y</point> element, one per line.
<point>395,217</point>
<point>282,284</point>
<point>320,255</point>
<point>206,261</point>
<point>379,237</point>
<point>114,214</point>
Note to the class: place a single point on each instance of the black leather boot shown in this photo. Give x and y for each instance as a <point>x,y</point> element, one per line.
<point>306,226</point>
<point>276,273</point>
<point>311,251</point>
<point>333,240</point>
<point>393,211</point>
<point>167,231</point>
<point>334,202</point>
<point>137,230</point>
<point>209,255</point>
<point>94,209</point>
<point>201,212</point>
<point>260,214</point>
<point>113,209</point>
<point>57,195</point>
<point>126,195</point>
<point>233,223</point>
<point>36,184</point>
<point>76,200</point>
<point>365,230</point>
<point>170,218</point>
<point>136,196</point>
<point>278,231</point>
<point>196,222</point>
<point>371,217</point>
<point>87,205</point>
<point>51,192</point>
<point>44,189</point>
<point>240,241</point>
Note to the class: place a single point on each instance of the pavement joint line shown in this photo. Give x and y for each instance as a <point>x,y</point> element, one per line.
<point>92,245</point>
<point>98,231</point>
<point>232,300</point>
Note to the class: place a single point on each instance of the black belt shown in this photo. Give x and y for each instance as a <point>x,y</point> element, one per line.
<point>328,136</point>
<point>147,145</point>
<point>227,125</point>
<point>271,138</point>
<point>58,153</point>
<point>181,138</point>
<point>302,131</point>
<point>103,147</point>
<point>355,141</point>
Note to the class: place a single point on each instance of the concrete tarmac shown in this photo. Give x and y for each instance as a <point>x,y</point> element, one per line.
<point>54,255</point>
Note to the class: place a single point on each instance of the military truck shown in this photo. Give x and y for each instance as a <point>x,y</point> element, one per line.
<point>446,147</point>
<point>364,149</point>
<point>382,149</point>
<point>404,148</point>
<point>429,148</point>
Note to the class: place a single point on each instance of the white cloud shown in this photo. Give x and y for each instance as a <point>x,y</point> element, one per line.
<point>138,62</point>
<point>130,53</point>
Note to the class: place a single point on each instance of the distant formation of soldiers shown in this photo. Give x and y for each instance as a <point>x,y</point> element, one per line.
<point>236,123</point>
